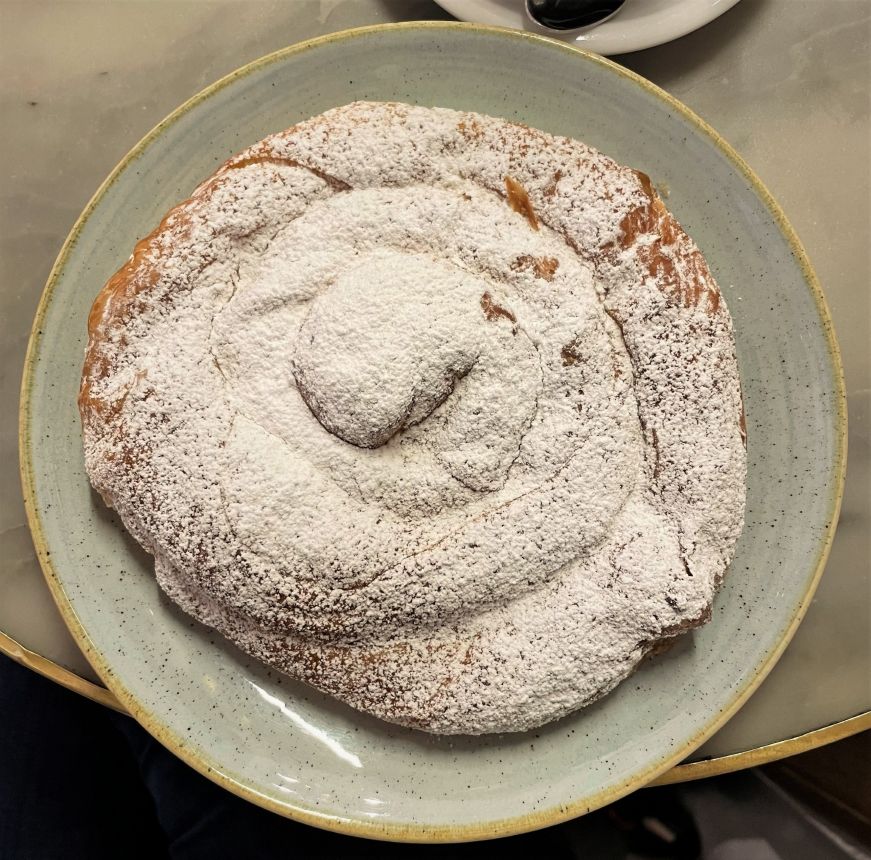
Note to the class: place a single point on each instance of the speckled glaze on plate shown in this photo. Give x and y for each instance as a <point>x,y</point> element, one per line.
<point>287,747</point>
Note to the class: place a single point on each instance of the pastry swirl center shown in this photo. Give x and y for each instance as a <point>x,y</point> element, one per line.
<point>384,345</point>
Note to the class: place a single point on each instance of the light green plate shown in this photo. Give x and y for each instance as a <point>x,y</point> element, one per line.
<point>297,752</point>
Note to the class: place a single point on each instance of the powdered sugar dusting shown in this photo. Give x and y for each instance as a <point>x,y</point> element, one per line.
<point>453,464</point>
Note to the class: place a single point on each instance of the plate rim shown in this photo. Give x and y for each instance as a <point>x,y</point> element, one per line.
<point>406,832</point>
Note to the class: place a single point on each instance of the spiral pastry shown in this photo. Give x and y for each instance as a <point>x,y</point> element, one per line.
<point>434,411</point>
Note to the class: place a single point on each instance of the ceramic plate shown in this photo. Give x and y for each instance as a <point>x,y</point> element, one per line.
<point>640,23</point>
<point>285,746</point>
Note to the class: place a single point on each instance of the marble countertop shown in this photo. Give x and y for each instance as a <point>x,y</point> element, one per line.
<point>785,81</point>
